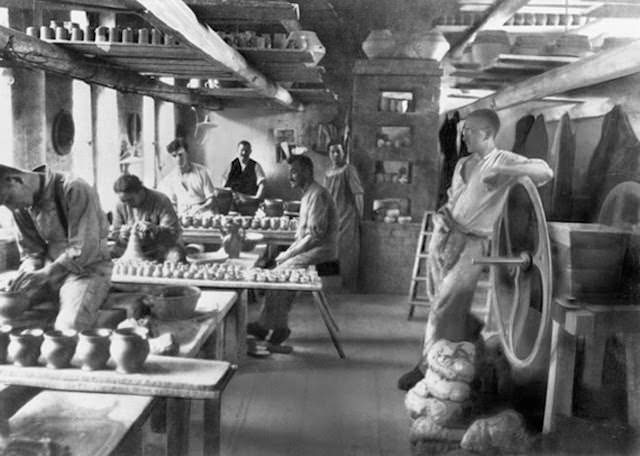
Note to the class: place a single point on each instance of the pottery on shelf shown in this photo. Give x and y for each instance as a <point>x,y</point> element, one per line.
<point>58,348</point>
<point>379,44</point>
<point>129,349</point>
<point>93,348</point>
<point>430,45</point>
<point>24,347</point>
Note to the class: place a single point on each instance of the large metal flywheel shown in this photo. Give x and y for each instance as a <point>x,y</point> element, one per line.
<point>521,275</point>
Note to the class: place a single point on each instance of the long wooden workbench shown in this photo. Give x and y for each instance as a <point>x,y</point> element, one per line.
<point>213,236</point>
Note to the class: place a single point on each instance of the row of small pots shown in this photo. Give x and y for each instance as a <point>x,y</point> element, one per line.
<point>92,348</point>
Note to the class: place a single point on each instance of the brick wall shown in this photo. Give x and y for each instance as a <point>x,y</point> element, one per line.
<point>387,252</point>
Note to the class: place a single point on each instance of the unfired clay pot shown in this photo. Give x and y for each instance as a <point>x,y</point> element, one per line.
<point>58,348</point>
<point>93,348</point>
<point>379,44</point>
<point>4,342</point>
<point>24,347</point>
<point>129,349</point>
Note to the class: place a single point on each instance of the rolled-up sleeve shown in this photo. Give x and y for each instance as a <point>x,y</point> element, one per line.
<point>318,222</point>
<point>84,229</point>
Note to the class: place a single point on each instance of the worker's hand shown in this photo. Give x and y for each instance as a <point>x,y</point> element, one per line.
<point>146,229</point>
<point>281,258</point>
<point>30,280</point>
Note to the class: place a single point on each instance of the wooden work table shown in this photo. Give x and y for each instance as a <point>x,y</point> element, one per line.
<point>594,319</point>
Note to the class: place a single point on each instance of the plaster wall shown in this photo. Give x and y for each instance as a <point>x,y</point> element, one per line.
<point>215,146</point>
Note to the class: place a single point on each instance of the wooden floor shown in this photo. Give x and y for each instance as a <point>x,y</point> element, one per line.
<point>311,403</point>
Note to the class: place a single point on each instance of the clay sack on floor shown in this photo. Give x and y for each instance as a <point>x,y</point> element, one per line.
<point>446,389</point>
<point>453,360</point>
<point>504,432</point>
<point>443,413</point>
<point>424,428</point>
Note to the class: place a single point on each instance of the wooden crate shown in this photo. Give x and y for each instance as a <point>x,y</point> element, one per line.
<point>587,258</point>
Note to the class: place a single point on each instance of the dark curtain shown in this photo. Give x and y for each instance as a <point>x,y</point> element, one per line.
<point>452,150</point>
<point>615,160</point>
<point>561,160</point>
<point>523,126</point>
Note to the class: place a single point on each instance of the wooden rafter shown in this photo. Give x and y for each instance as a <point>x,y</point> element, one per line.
<point>176,17</point>
<point>493,17</point>
<point>604,66</point>
<point>31,52</point>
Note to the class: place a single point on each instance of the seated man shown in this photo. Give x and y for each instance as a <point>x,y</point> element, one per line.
<point>188,185</point>
<point>151,214</point>
<point>62,235</point>
<point>245,177</point>
<point>462,228</point>
<point>315,242</point>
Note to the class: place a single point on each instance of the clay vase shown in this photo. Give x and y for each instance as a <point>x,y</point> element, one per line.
<point>5,330</point>
<point>133,252</point>
<point>93,348</point>
<point>430,45</point>
<point>24,347</point>
<point>379,44</point>
<point>58,348</point>
<point>232,239</point>
<point>129,349</point>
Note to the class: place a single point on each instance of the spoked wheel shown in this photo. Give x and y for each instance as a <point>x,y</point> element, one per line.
<point>521,276</point>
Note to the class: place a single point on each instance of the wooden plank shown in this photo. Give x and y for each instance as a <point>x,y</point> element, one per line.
<point>131,50</point>
<point>35,53</point>
<point>493,17</point>
<point>257,56</point>
<point>604,66</point>
<point>212,236</point>
<point>175,16</point>
<point>162,376</point>
<point>560,381</point>
<point>227,284</point>
<point>400,67</point>
<point>89,424</point>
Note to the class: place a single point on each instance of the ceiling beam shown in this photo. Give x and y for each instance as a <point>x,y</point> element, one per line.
<point>32,52</point>
<point>494,17</point>
<point>176,17</point>
<point>602,67</point>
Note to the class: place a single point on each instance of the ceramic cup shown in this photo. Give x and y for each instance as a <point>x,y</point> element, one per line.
<point>129,349</point>
<point>93,348</point>
<point>24,346</point>
<point>58,348</point>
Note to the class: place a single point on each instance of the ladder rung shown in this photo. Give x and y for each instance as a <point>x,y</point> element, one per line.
<point>419,303</point>
<point>484,284</point>
<point>423,255</point>
<point>421,278</point>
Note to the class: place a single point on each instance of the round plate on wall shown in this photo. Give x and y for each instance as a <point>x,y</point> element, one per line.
<point>63,132</point>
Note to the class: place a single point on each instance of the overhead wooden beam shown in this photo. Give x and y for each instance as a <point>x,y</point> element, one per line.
<point>175,17</point>
<point>493,17</point>
<point>604,66</point>
<point>32,52</point>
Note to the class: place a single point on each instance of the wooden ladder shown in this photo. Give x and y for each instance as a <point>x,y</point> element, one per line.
<point>417,293</point>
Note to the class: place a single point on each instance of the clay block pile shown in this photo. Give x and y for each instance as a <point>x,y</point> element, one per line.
<point>440,406</point>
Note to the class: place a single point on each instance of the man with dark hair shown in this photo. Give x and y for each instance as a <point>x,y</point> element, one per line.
<point>151,214</point>
<point>62,235</point>
<point>188,185</point>
<point>315,242</point>
<point>462,228</point>
<point>245,176</point>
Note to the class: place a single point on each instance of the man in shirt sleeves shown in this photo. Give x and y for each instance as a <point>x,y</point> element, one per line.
<point>188,185</point>
<point>245,176</point>
<point>462,228</point>
<point>315,242</point>
<point>62,235</point>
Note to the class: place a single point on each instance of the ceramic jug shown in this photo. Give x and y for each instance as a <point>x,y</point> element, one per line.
<point>232,237</point>
<point>129,349</point>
